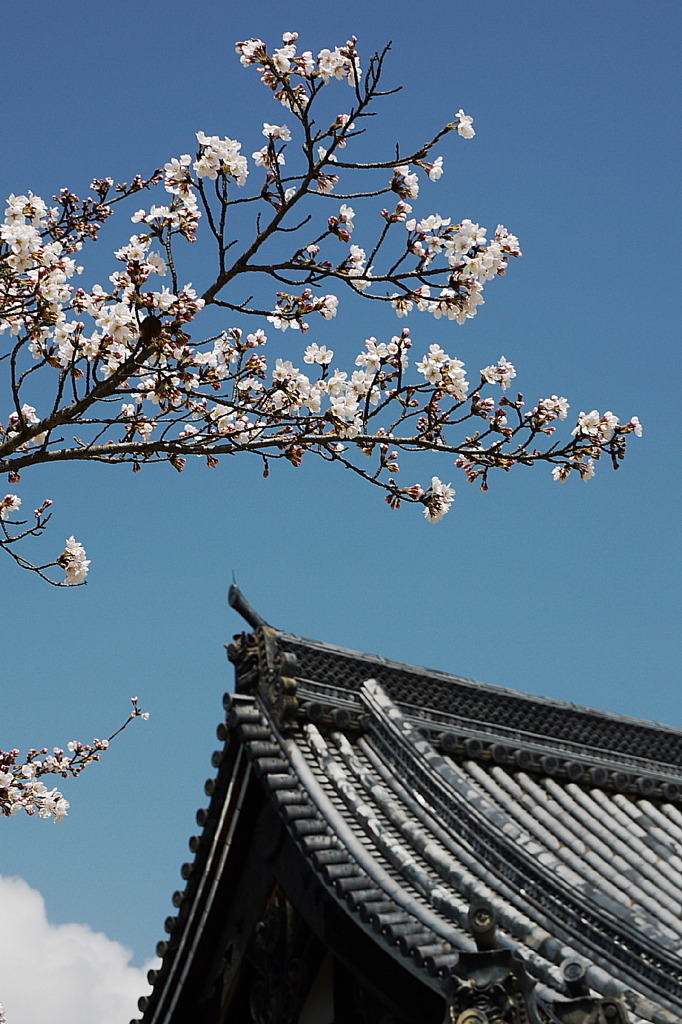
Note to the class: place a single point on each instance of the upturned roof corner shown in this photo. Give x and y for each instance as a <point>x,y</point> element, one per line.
<point>261,663</point>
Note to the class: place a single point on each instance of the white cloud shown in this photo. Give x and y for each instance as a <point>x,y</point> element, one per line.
<point>56,974</point>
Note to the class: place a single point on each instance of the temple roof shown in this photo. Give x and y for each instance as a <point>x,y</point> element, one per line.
<point>413,796</point>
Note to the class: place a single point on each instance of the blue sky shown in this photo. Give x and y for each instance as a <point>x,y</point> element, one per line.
<point>571,590</point>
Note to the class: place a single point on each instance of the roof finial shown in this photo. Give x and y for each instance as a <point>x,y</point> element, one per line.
<point>237,601</point>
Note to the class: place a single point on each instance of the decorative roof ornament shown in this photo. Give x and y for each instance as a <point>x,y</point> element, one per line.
<point>493,986</point>
<point>274,668</point>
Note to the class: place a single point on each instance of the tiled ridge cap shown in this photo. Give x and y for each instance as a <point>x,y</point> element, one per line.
<point>437,694</point>
<point>459,737</point>
<point>544,756</point>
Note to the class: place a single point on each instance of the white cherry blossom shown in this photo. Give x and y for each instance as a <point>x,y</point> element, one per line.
<point>318,354</point>
<point>592,424</point>
<point>9,505</point>
<point>503,373</point>
<point>438,500</point>
<point>465,125</point>
<point>275,131</point>
<point>74,562</point>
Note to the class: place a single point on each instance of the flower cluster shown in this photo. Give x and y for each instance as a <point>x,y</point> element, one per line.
<point>406,184</point>
<point>543,416</point>
<point>20,781</point>
<point>591,424</point>
<point>442,371</point>
<point>291,309</point>
<point>594,432</point>
<point>218,156</point>
<point>35,288</point>
<point>585,467</point>
<point>74,562</point>
<point>9,504</point>
<point>21,789</point>
<point>503,373</point>
<point>471,259</point>
<point>437,500</point>
<point>291,75</point>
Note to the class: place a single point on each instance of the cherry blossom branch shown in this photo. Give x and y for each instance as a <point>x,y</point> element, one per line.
<point>125,373</point>
<point>20,779</point>
<point>72,558</point>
